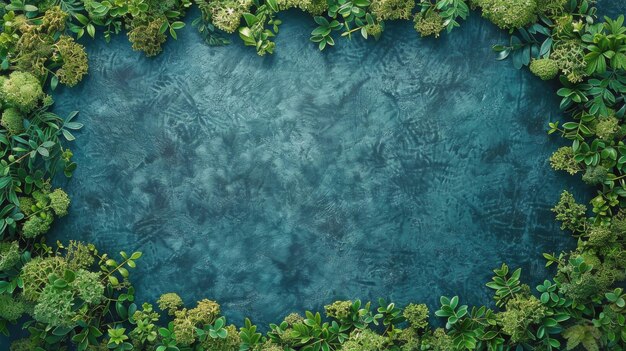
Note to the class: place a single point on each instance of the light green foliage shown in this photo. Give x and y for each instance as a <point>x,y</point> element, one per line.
<point>551,7</point>
<point>408,340</point>
<point>55,307</point>
<point>314,7</point>
<point>294,318</point>
<point>570,57</point>
<point>26,344</point>
<point>585,335</point>
<point>35,274</point>
<point>416,315</point>
<point>230,343</point>
<point>563,160</point>
<point>59,202</point>
<point>392,9</point>
<point>509,14</point>
<point>429,23</point>
<point>79,255</point>
<point>186,321</point>
<point>54,20</point>
<point>440,341</point>
<point>226,14</point>
<point>147,37</point>
<point>13,121</point>
<point>9,255</point>
<point>364,340</point>
<point>607,127</point>
<point>10,308</point>
<point>37,225</point>
<point>73,59</point>
<point>570,213</point>
<point>170,302</point>
<point>338,309</point>
<point>521,312</point>
<point>22,90</point>
<point>545,69</point>
<point>595,175</point>
<point>88,287</point>
<point>145,330</point>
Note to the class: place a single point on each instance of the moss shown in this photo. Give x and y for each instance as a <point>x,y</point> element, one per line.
<point>601,236</point>
<point>509,14</point>
<point>416,315</point>
<point>570,58</point>
<point>35,275</point>
<point>392,9</point>
<point>170,302</point>
<point>607,127</point>
<point>521,312</point>
<point>545,69</point>
<point>54,20</point>
<point>314,7</point>
<point>563,160</point>
<point>338,309</point>
<point>551,7</point>
<point>13,121</point>
<point>88,286</point>
<point>230,343</point>
<point>147,37</point>
<point>570,213</point>
<point>37,225</point>
<point>10,308</point>
<point>440,341</point>
<point>429,23</point>
<point>22,90</point>
<point>364,340</point>
<point>595,175</point>
<point>226,14</point>
<point>55,307</point>
<point>59,202</point>
<point>74,64</point>
<point>294,318</point>
<point>9,255</point>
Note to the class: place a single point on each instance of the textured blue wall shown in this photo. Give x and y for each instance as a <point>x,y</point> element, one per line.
<point>406,168</point>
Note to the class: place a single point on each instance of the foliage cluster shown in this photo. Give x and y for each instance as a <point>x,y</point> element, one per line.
<point>73,296</point>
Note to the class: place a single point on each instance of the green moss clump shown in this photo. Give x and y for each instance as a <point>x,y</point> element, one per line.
<point>601,236</point>
<point>88,287</point>
<point>230,343</point>
<point>147,37</point>
<point>225,14</point>
<point>59,202</point>
<point>294,318</point>
<point>11,309</point>
<point>416,315</point>
<point>570,57</point>
<point>13,121</point>
<point>74,64</point>
<point>551,7</point>
<point>170,302</point>
<point>22,90</point>
<point>521,311</point>
<point>35,275</point>
<point>9,255</point>
<point>392,9</point>
<point>429,23</point>
<point>570,213</point>
<point>314,7</point>
<point>545,69</point>
<point>595,175</point>
<point>37,225</point>
<point>186,321</point>
<point>563,160</point>
<point>364,340</point>
<point>338,309</point>
<point>607,127</point>
<point>509,14</point>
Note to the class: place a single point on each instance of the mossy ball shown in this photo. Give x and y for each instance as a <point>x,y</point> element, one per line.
<point>545,69</point>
